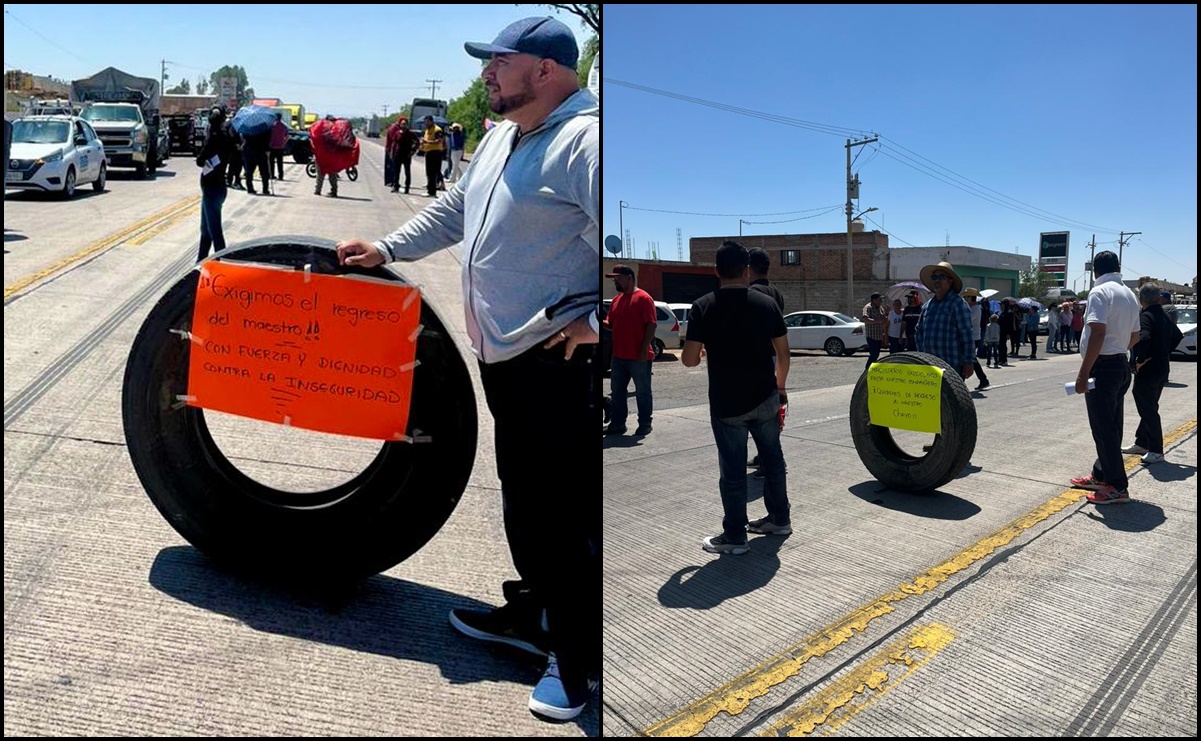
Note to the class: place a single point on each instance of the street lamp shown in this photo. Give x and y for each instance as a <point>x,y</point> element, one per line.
<point>850,266</point>
<point>740,223</point>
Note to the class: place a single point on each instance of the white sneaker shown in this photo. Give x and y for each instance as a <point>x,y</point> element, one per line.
<point>1150,458</point>
<point>1133,449</point>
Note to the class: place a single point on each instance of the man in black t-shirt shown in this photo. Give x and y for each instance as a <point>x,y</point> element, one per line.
<point>738,330</point>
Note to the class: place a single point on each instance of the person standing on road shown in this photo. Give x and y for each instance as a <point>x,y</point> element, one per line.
<point>254,157</point>
<point>402,143</point>
<point>945,328</point>
<point>896,324</point>
<point>433,146</point>
<point>527,213</point>
<point>455,141</point>
<point>913,312</point>
<point>1065,327</point>
<point>1078,325</point>
<point>738,330</point>
<point>1169,310</point>
<point>320,156</point>
<point>992,337</point>
<point>760,263</point>
<point>875,318</point>
<point>971,295</point>
<point>233,173</point>
<point>1152,355</point>
<point>279,141</point>
<point>1111,328</point>
<point>1031,320</point>
<point>632,321</point>
<point>213,159</point>
<point>1053,328</point>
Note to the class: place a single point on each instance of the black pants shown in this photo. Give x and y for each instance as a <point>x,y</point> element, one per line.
<point>277,164</point>
<point>1104,403</point>
<point>543,405</point>
<point>1002,347</point>
<point>406,164</point>
<point>1147,390</point>
<point>873,352</point>
<point>433,172</point>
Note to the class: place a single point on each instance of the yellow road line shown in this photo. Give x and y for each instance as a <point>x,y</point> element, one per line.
<point>734,696</point>
<point>835,705</point>
<point>103,244</point>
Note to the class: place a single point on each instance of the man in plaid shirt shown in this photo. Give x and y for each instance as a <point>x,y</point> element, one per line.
<point>945,327</point>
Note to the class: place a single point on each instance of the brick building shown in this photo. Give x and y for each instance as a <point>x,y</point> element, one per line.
<point>811,269</point>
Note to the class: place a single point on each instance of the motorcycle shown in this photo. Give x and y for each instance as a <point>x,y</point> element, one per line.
<point>352,172</point>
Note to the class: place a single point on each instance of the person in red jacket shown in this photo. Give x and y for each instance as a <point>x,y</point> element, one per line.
<point>631,318</point>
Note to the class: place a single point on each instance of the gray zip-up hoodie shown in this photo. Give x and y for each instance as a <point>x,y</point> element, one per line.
<point>527,211</point>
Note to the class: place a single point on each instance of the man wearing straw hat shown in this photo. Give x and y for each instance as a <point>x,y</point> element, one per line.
<point>945,327</point>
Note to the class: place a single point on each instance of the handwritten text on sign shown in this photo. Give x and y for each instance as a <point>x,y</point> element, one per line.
<point>905,397</point>
<point>327,353</point>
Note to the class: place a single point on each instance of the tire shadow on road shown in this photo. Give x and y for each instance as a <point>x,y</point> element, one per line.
<point>936,505</point>
<point>382,615</point>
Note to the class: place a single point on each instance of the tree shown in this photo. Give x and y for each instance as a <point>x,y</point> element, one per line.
<point>1034,282</point>
<point>590,17</point>
<point>470,109</point>
<point>244,93</point>
<point>183,88</point>
<point>202,86</point>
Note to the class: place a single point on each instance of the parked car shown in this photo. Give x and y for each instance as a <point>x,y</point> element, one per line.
<point>681,312</point>
<point>1186,321</point>
<point>667,333</point>
<point>837,334</point>
<point>54,154</point>
<point>180,131</point>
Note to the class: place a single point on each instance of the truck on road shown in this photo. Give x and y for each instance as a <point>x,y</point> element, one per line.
<point>124,111</point>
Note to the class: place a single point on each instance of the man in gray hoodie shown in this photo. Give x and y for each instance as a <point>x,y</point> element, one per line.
<point>527,212</point>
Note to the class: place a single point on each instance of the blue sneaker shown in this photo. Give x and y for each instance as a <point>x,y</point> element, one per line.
<point>551,699</point>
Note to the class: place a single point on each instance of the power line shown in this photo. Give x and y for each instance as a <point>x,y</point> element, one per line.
<point>693,213</point>
<point>888,232</point>
<point>1025,209</point>
<point>799,218</point>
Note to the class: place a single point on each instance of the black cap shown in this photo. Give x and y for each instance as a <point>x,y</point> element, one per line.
<point>620,270</point>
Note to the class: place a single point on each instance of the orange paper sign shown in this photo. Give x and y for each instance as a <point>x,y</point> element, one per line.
<point>327,353</point>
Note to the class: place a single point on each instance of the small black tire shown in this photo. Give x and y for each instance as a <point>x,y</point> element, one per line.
<point>659,347</point>
<point>834,347</point>
<point>311,169</point>
<point>952,449</point>
<point>354,530</point>
<point>352,174</point>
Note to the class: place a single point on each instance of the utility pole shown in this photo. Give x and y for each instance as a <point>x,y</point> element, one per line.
<point>1092,252</point>
<point>385,110</point>
<point>620,228</point>
<point>162,82</point>
<point>852,193</point>
<point>433,87</point>
<point>1122,243</point>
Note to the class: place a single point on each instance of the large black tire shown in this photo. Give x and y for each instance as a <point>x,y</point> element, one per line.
<point>952,449</point>
<point>359,528</point>
<point>834,347</point>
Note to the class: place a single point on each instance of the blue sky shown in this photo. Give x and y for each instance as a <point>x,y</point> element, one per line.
<point>1086,112</point>
<point>348,60</point>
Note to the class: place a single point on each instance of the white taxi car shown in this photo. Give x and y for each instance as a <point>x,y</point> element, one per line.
<point>55,154</point>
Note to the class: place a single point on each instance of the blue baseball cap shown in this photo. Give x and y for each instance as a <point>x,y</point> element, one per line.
<point>545,38</point>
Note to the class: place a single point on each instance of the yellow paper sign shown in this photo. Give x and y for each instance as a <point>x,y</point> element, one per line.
<point>326,353</point>
<point>905,397</point>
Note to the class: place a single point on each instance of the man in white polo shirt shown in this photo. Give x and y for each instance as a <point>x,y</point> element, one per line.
<point>1111,328</point>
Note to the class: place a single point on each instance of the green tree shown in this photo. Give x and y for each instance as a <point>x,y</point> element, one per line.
<point>202,86</point>
<point>245,93</point>
<point>183,88</point>
<point>1034,282</point>
<point>470,109</point>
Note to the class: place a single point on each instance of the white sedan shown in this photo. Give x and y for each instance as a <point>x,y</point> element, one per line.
<point>54,154</point>
<point>1186,321</point>
<point>837,334</point>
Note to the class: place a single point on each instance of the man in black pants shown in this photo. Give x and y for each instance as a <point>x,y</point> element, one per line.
<point>740,330</point>
<point>1111,328</point>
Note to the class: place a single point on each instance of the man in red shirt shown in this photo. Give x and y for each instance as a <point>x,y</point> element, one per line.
<point>631,318</point>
